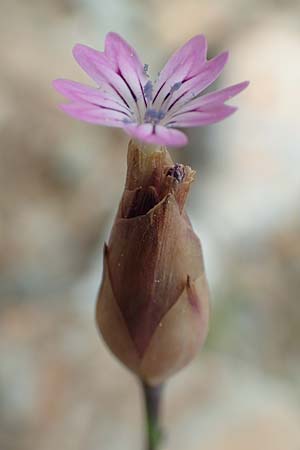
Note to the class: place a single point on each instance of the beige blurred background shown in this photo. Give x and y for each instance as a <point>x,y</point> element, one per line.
<point>60,182</point>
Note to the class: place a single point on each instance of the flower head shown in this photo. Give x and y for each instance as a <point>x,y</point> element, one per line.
<point>149,111</point>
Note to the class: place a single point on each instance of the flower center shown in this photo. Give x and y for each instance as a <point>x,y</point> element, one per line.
<point>155,113</point>
<point>153,116</point>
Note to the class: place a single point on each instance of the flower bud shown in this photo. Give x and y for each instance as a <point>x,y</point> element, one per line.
<point>153,307</point>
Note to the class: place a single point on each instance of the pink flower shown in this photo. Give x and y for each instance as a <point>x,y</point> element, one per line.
<point>125,97</point>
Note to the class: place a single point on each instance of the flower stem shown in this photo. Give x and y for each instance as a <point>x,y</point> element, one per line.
<point>152,398</point>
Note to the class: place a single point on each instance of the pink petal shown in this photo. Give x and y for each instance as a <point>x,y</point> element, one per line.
<point>194,86</point>
<point>214,98</point>
<point>200,118</point>
<point>93,114</point>
<point>184,63</point>
<point>79,92</point>
<point>127,64</point>
<point>117,48</point>
<point>157,135</point>
<point>101,70</point>
<point>91,60</point>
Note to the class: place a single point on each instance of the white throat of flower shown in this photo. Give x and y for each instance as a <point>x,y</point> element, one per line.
<point>156,112</point>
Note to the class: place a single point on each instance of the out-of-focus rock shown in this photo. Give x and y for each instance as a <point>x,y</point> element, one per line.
<point>58,380</point>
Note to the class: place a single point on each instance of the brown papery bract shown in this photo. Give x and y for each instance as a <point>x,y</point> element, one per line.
<point>153,304</point>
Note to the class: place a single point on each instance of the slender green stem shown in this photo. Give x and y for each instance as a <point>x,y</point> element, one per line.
<point>152,398</point>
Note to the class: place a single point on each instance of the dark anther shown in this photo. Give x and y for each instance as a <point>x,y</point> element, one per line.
<point>177,171</point>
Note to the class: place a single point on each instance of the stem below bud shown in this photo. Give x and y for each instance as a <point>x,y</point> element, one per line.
<point>152,399</point>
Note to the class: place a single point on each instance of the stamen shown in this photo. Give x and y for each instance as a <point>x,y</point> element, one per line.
<point>175,87</point>
<point>153,116</point>
<point>146,68</point>
<point>168,97</point>
<point>148,91</point>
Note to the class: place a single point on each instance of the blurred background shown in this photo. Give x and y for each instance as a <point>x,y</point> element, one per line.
<point>60,183</point>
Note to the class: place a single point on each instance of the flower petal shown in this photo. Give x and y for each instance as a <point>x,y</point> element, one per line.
<point>156,134</point>
<point>93,114</point>
<point>213,98</point>
<point>184,63</point>
<point>205,117</point>
<point>91,61</point>
<point>79,92</point>
<point>209,72</point>
<point>127,64</point>
<point>101,70</point>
